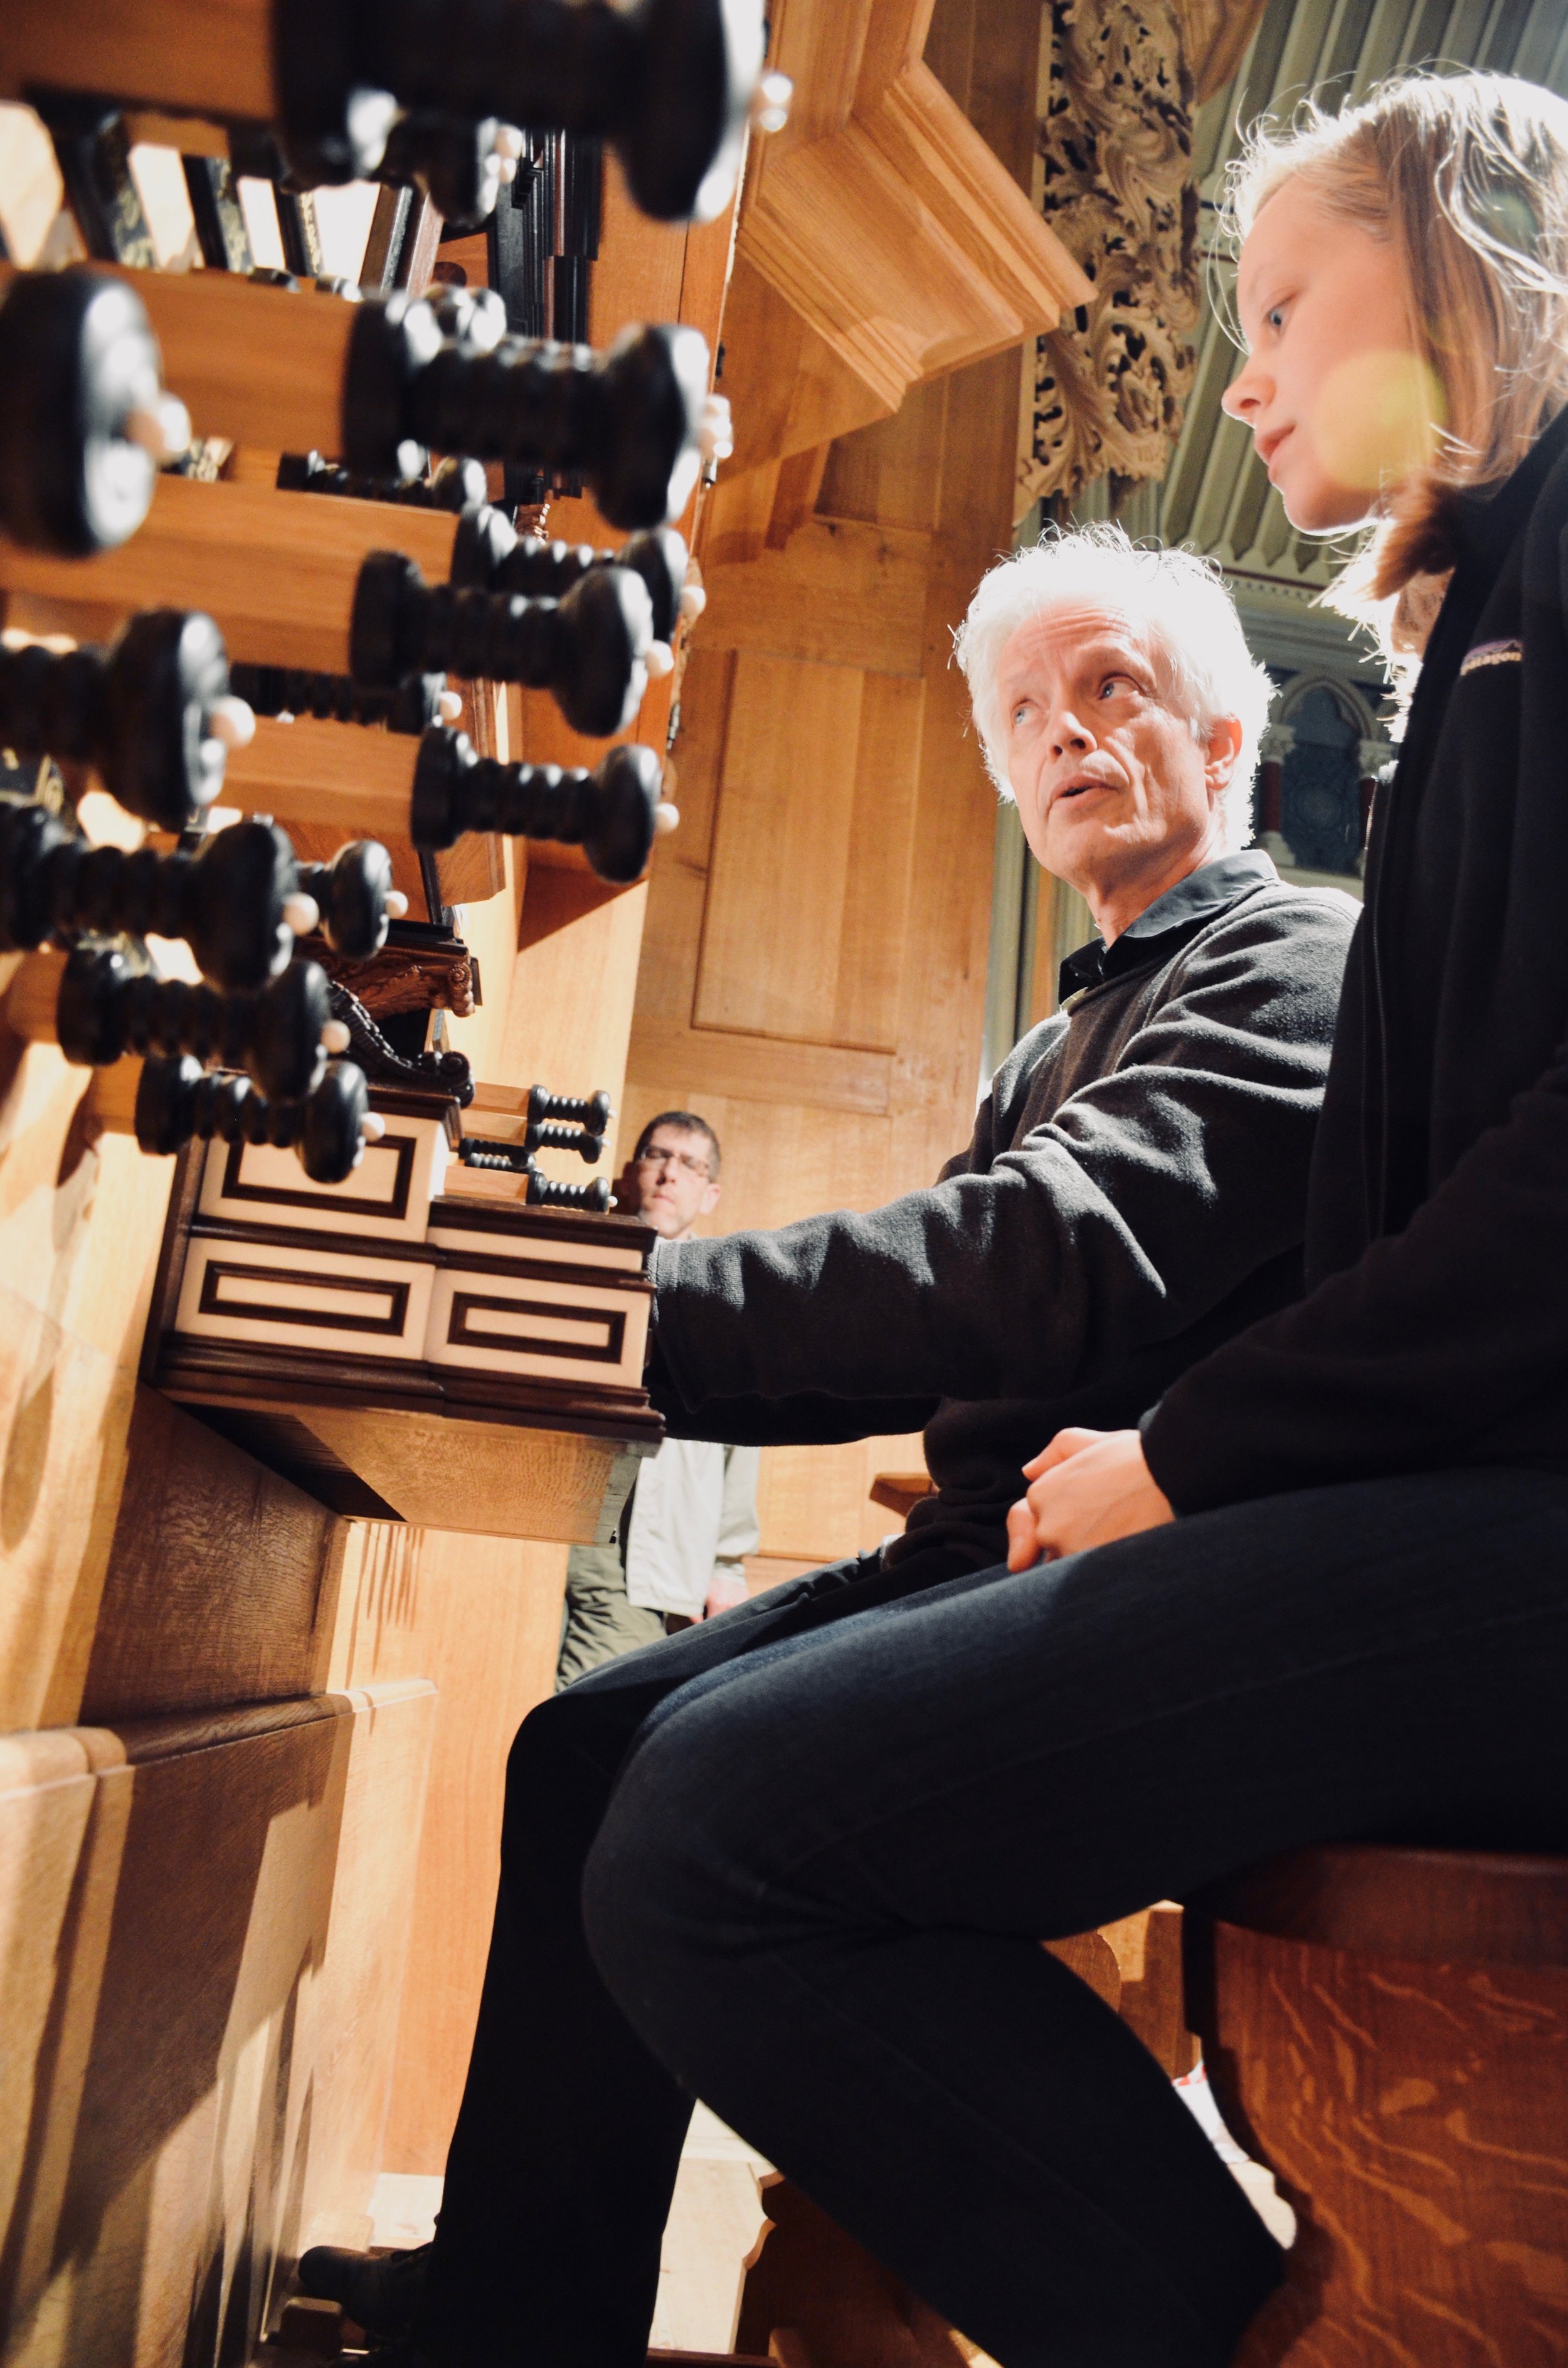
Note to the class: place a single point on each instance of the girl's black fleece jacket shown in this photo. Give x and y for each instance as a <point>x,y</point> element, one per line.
<point>1434,1331</point>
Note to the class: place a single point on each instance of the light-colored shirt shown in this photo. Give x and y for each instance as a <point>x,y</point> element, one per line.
<point>693,1520</point>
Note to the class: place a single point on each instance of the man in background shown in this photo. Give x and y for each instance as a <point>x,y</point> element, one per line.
<point>690,1520</point>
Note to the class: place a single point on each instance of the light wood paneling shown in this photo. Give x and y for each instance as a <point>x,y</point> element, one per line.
<point>847,592</point>
<point>770,963</point>
<point>190,2007</point>
<point>80,1219</point>
<point>219,1580</point>
<point>205,1591</point>
<point>569,1015</point>
<point>718,1063</point>
<point>65,1412</point>
<point>482,1616</point>
<point>818,791</point>
<point>882,241</point>
<point>476,1476</point>
<point>362,1985</point>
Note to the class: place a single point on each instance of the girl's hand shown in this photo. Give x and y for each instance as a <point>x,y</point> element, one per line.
<point>1087,1487</point>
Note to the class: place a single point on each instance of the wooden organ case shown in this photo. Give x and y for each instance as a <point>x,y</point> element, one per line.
<point>290,1466</point>
<point>289,1469</point>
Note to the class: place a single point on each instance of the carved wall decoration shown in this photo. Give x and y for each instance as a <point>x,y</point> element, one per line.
<point>1113,179</point>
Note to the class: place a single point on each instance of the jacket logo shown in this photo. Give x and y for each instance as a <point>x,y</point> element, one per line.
<point>1489,653</point>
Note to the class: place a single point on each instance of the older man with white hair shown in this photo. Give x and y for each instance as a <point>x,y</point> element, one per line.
<point>1135,1187</point>
<point>1133,1194</point>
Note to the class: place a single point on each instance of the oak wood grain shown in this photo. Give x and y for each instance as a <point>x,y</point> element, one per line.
<point>219,1576</point>
<point>261,366</point>
<point>275,570</point>
<point>842,592</point>
<point>1413,2114</point>
<point>199,1932</point>
<point>204,57</point>
<point>482,1618</point>
<point>487,1478</point>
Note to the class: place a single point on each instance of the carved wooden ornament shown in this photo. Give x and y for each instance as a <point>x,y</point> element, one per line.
<point>1113,179</point>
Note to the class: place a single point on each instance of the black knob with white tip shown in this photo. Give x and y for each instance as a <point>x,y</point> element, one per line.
<point>153,713</point>
<point>589,649</point>
<point>609,812</point>
<point>489,554</point>
<point>591,1110</point>
<point>106,1007</point>
<point>636,422</point>
<point>178,1102</point>
<point>238,902</point>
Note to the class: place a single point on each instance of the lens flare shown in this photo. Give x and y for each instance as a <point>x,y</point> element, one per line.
<point>1377,417</point>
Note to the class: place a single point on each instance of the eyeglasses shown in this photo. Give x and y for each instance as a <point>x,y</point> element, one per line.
<point>654,1157</point>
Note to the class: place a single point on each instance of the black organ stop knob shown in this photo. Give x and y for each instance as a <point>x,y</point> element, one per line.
<point>544,1192</point>
<point>106,1007</point>
<point>608,813</point>
<point>592,1111</point>
<point>668,82</point>
<point>543,1134</point>
<point>235,903</point>
<point>455,485</point>
<point>491,556</point>
<point>85,423</point>
<point>635,422</point>
<point>153,713</point>
<point>411,708</point>
<point>589,649</point>
<point>177,1102</point>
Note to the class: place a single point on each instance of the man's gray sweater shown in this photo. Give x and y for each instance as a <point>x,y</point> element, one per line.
<point>1134,1193</point>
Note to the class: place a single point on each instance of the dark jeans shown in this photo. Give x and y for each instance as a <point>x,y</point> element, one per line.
<point>811,1847</point>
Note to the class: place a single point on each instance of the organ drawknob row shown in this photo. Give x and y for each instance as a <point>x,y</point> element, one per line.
<point>366,576</point>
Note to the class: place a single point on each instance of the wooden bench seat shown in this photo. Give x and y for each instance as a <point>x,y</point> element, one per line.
<point>1387,2029</point>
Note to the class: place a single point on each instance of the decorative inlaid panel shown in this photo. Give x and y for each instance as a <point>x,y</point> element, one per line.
<point>305,1298</point>
<point>387,1196</point>
<point>548,1331</point>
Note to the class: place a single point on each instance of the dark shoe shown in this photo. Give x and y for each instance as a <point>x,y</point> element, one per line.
<point>379,2291</point>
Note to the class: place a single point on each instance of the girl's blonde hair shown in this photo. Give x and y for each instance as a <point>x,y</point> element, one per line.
<point>1468,175</point>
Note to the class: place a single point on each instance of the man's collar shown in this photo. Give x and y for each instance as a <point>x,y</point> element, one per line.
<point>1164,926</point>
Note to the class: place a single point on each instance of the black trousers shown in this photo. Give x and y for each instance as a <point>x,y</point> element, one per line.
<point>797,1860</point>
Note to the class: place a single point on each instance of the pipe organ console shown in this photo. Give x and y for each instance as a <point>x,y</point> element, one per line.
<point>313,861</point>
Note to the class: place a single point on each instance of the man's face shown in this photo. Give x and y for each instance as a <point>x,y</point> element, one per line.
<point>1334,391</point>
<point>1112,788</point>
<point>674,1180</point>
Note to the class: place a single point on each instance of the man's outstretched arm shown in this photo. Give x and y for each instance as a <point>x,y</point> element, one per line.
<point>1149,1196</point>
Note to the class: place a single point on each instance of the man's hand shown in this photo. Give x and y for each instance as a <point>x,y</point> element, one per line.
<point>1087,1487</point>
<point>724,1594</point>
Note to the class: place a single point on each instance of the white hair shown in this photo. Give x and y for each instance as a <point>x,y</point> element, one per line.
<point>1192,624</point>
